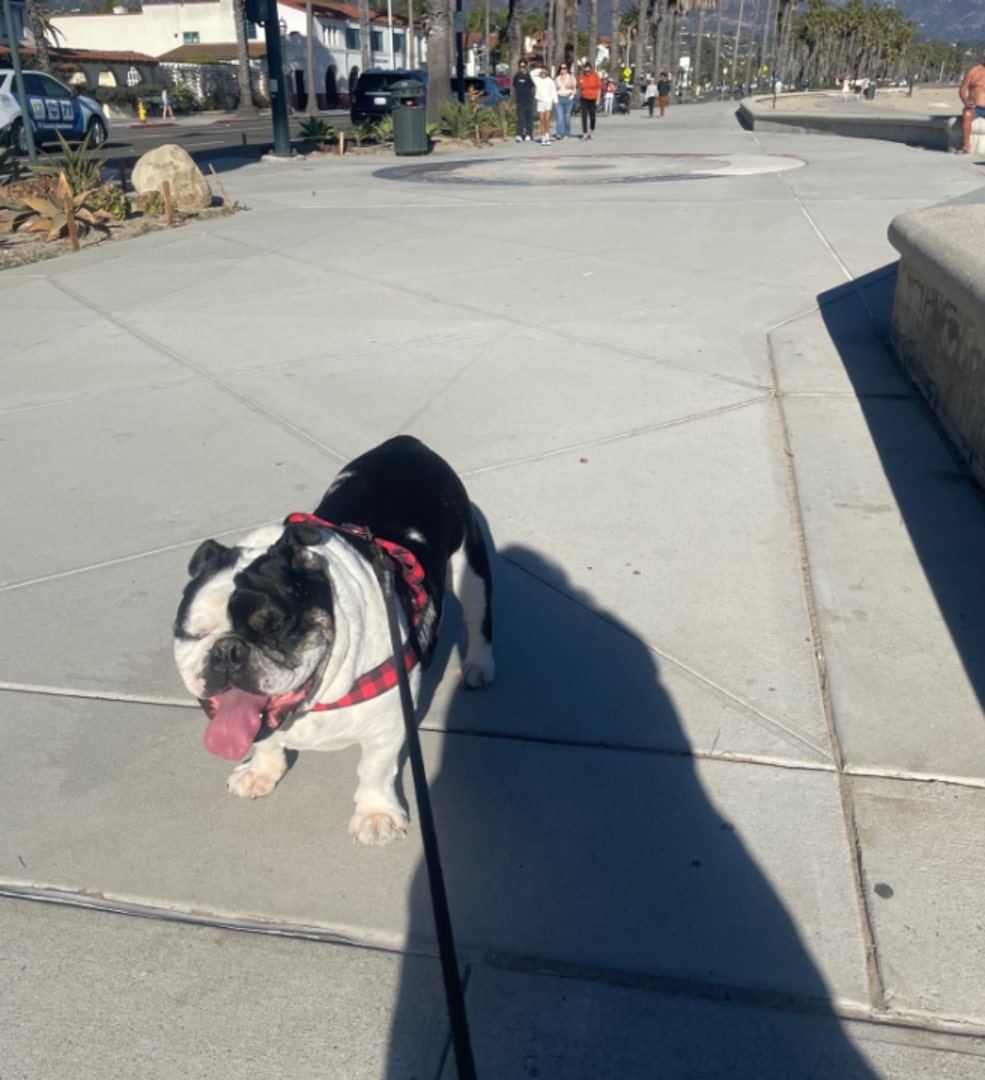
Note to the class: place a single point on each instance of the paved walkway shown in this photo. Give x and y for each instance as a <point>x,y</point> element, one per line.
<point>722,813</point>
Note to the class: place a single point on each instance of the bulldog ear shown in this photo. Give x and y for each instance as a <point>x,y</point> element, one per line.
<point>303,535</point>
<point>295,544</point>
<point>209,557</point>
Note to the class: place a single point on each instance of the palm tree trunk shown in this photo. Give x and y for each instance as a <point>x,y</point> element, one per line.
<point>698,45</point>
<point>614,40</point>
<point>514,33</point>
<point>242,59</point>
<point>438,26</point>
<point>36,25</point>
<point>365,53</point>
<point>717,77</point>
<point>593,30</point>
<point>642,37</point>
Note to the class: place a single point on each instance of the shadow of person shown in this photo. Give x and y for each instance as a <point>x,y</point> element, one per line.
<point>614,921</point>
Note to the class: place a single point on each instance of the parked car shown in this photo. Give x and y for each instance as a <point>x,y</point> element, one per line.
<point>371,99</point>
<point>485,86</point>
<point>53,107</point>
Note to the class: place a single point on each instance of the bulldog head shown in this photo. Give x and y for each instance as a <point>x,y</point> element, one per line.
<point>253,633</point>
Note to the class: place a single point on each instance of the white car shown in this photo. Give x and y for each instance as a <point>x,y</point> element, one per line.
<point>52,107</point>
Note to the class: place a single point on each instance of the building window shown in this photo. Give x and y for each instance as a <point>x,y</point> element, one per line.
<point>251,31</point>
<point>352,38</point>
<point>398,42</point>
<point>376,40</point>
<point>190,37</point>
<point>133,77</point>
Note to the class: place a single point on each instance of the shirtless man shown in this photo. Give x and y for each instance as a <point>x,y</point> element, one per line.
<point>972,94</point>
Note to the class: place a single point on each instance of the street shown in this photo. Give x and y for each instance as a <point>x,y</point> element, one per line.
<point>208,140</point>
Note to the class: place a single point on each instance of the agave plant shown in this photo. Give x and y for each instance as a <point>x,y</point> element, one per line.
<point>35,213</point>
<point>81,167</point>
<point>314,129</point>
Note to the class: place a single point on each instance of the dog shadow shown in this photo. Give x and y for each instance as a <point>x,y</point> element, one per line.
<point>610,920</point>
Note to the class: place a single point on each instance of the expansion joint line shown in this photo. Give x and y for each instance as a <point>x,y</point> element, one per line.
<point>876,984</point>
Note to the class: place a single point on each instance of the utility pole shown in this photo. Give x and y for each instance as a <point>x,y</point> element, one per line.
<point>8,18</point>
<point>311,106</point>
<point>278,89</point>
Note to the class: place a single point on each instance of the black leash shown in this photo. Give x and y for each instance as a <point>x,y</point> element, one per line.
<point>439,900</point>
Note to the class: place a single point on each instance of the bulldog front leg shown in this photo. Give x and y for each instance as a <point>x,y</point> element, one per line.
<point>259,775</point>
<point>379,817</point>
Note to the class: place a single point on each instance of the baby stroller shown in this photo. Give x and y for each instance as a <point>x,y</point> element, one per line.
<point>624,97</point>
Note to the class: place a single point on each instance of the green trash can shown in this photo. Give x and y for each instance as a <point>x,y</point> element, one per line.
<point>410,133</point>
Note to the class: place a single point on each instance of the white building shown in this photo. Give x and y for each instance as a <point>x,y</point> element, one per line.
<point>202,32</point>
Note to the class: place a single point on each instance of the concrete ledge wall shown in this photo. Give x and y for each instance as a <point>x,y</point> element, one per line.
<point>938,324</point>
<point>930,132</point>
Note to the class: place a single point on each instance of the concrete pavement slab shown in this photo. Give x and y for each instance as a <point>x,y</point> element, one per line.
<point>807,362</point>
<point>67,350</point>
<point>683,535</point>
<point>117,476</point>
<point>883,501</point>
<point>525,1024</point>
<point>89,996</point>
<point>922,869</point>
<point>622,861</point>
<point>462,397</point>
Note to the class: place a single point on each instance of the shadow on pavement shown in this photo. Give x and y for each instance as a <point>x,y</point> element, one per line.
<point>608,866</point>
<point>940,505</point>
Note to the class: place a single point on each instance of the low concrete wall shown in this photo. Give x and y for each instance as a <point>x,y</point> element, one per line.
<point>938,324</point>
<point>930,132</point>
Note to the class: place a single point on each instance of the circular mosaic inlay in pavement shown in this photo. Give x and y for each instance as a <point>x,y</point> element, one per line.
<point>611,169</point>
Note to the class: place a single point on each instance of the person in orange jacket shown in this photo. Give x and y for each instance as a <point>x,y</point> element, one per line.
<point>590,87</point>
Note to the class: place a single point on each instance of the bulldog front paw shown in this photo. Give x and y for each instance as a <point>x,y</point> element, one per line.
<point>377,827</point>
<point>250,781</point>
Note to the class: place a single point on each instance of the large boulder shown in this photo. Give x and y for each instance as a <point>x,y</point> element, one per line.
<point>189,188</point>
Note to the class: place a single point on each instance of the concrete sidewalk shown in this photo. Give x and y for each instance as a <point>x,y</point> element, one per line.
<point>722,813</point>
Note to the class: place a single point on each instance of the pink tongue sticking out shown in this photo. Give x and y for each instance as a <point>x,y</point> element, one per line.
<point>234,723</point>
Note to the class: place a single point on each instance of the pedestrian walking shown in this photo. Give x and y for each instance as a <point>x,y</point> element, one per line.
<point>610,96</point>
<point>166,110</point>
<point>545,93</point>
<point>524,99</point>
<point>566,85</point>
<point>650,94</point>
<point>663,91</point>
<point>590,87</point>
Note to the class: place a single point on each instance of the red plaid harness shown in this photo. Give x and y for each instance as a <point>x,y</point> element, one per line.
<point>420,611</point>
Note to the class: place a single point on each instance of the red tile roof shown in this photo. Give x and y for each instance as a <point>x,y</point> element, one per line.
<point>212,52</point>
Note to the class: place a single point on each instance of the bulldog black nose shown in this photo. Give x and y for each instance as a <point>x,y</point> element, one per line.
<point>229,655</point>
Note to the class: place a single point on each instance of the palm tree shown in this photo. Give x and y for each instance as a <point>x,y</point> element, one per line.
<point>438,27</point>
<point>243,58</point>
<point>593,30</point>
<point>35,23</point>
<point>365,56</point>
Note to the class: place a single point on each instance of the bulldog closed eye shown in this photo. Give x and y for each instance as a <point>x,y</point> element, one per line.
<point>284,639</point>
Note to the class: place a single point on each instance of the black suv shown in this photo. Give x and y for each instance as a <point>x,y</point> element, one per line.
<point>371,99</point>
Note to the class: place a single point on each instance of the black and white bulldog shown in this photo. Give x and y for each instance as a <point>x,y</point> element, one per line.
<point>284,638</point>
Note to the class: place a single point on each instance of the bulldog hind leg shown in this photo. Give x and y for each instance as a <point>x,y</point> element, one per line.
<point>471,581</point>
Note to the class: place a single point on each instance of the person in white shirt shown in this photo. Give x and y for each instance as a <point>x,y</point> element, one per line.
<point>546,93</point>
<point>566,85</point>
<point>650,96</point>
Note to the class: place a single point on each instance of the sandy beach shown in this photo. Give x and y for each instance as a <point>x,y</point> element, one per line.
<point>924,101</point>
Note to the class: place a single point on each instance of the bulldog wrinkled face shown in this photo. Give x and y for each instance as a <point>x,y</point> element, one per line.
<point>253,629</point>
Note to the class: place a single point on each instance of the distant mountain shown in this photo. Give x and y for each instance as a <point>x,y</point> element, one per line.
<point>946,20</point>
